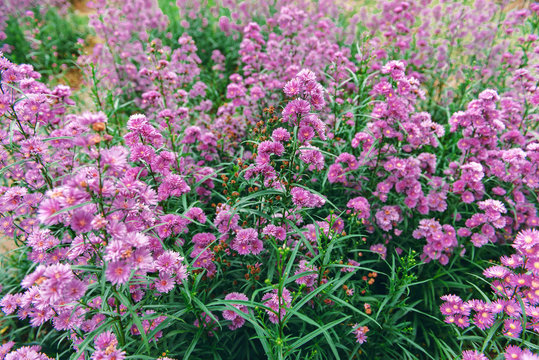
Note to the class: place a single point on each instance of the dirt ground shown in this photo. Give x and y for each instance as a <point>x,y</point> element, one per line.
<point>7,245</point>
<point>81,7</point>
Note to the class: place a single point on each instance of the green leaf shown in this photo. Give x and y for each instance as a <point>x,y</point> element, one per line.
<point>321,330</point>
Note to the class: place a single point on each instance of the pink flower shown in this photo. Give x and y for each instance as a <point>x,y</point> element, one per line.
<point>280,134</point>
<point>246,242</point>
<point>309,279</point>
<point>479,240</point>
<point>305,134</point>
<point>350,266</point>
<point>81,221</point>
<point>164,283</point>
<point>105,344</point>
<point>172,185</point>
<point>379,249</point>
<point>47,212</point>
<point>295,109</point>
<point>9,304</point>
<point>526,239</point>
<point>196,214</point>
<point>492,208</point>
<point>105,339</point>
<point>306,75</point>
<point>467,197</point>
<point>277,303</point>
<point>267,148</point>
<point>361,207</point>
<point>304,198</point>
<point>168,262</point>
<point>336,174</point>
<point>41,240</point>
<point>29,353</point>
<point>512,328</point>
<point>293,87</point>
<point>388,216</point>
<point>136,122</point>
<point>202,240</point>
<point>360,333</point>
<point>118,272</point>
<point>5,348</point>
<point>237,320</point>
<point>496,271</point>
<point>512,352</point>
<point>276,231</point>
<point>473,355</point>
<point>483,319</point>
<point>313,157</point>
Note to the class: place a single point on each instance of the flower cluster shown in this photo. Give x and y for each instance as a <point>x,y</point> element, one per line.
<point>359,333</point>
<point>515,284</point>
<point>441,240</point>
<point>431,35</point>
<point>106,347</point>
<point>237,320</point>
<point>278,301</point>
<point>262,167</point>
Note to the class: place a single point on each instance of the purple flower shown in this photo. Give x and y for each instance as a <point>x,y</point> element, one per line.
<point>360,333</point>
<point>4,348</point>
<point>467,197</point>
<point>388,216</point>
<point>196,214</point>
<point>395,68</point>
<point>280,134</point>
<point>237,320</point>
<point>305,134</point>
<point>29,353</point>
<point>136,122</point>
<point>306,75</point>
<point>473,355</point>
<point>235,91</point>
<point>304,198</point>
<point>294,109</point>
<point>276,231</point>
<point>308,280</point>
<point>118,272</point>
<point>312,120</point>
<point>172,185</point>
<point>313,157</point>
<point>81,220</point>
<point>361,207</point>
<point>267,148</point>
<point>168,262</point>
<point>293,87</point>
<point>336,174</point>
<point>246,242</point>
<point>512,352</point>
<point>202,240</point>
<point>164,283</point>
<point>512,328</point>
<point>478,240</point>
<point>106,347</point>
<point>9,304</point>
<point>526,239</point>
<point>279,304</point>
<point>47,212</point>
<point>379,249</point>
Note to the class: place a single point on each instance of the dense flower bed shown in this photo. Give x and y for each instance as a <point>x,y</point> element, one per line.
<point>256,180</point>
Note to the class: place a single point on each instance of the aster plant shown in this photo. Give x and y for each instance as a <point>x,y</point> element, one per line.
<point>274,179</point>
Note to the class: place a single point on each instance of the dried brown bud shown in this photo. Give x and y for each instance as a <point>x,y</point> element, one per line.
<point>99,126</point>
